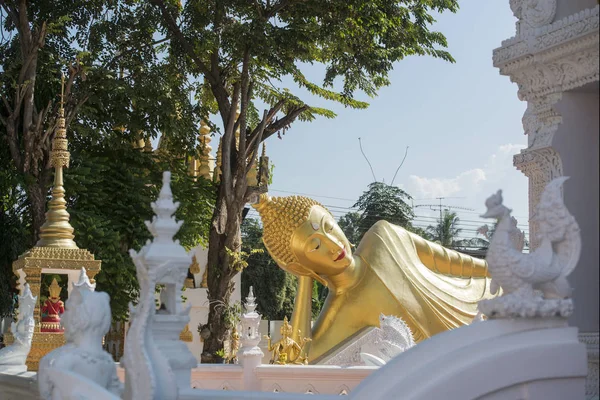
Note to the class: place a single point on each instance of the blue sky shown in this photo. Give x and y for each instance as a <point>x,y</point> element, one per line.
<point>462,123</point>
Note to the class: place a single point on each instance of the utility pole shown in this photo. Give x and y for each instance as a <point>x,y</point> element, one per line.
<point>441,207</point>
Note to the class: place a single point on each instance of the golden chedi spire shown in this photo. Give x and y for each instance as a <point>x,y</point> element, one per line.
<point>193,167</point>
<point>205,149</point>
<point>57,231</point>
<point>280,217</point>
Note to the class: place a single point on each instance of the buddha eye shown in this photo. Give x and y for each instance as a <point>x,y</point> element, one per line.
<point>328,226</point>
<point>315,245</point>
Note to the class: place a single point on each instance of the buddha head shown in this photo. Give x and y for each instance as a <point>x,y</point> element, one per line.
<point>302,236</point>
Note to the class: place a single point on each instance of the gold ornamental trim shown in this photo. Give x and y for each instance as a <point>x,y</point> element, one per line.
<point>42,344</point>
<point>58,258</point>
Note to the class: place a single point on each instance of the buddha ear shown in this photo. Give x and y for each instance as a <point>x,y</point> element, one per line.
<point>298,269</point>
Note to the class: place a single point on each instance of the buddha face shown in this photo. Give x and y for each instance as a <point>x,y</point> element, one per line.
<point>320,245</point>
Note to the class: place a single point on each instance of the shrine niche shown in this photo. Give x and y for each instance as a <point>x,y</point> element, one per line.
<point>52,301</point>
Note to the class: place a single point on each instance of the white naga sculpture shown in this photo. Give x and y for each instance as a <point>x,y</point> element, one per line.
<point>157,364</point>
<point>394,338</point>
<point>87,319</point>
<point>15,355</point>
<point>535,284</point>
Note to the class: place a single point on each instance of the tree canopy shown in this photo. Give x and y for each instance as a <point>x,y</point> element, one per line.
<point>384,202</point>
<point>120,86</point>
<point>446,231</point>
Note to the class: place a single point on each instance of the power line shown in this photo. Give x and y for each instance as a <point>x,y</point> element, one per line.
<point>466,211</point>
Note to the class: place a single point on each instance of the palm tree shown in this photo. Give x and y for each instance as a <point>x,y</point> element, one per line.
<point>446,231</point>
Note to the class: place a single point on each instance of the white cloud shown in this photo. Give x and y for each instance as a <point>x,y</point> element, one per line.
<point>422,187</point>
<point>476,184</point>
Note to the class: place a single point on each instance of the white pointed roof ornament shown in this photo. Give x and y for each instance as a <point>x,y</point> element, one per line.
<point>250,301</point>
<point>84,282</point>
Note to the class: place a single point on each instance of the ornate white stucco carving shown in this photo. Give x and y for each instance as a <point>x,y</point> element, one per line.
<point>592,382</point>
<point>87,319</point>
<point>533,13</point>
<point>377,346</point>
<point>157,363</point>
<point>550,58</point>
<point>16,354</point>
<point>545,269</point>
<point>541,166</point>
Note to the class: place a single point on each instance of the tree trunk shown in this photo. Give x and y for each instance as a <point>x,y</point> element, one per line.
<point>225,233</point>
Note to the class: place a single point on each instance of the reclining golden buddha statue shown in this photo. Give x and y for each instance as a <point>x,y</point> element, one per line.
<point>393,271</point>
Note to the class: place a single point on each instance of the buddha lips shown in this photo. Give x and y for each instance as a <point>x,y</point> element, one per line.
<point>342,255</point>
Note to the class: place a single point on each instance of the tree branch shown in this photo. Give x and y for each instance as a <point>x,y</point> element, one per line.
<point>226,178</point>
<point>256,143</point>
<point>174,28</point>
<point>284,122</point>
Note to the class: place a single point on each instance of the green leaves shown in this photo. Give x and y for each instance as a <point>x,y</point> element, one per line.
<point>110,188</point>
<point>275,289</point>
<point>446,231</point>
<point>384,202</point>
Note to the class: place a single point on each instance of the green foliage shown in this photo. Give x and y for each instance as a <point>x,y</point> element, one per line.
<point>350,224</point>
<point>357,41</point>
<point>232,315</point>
<point>383,202</point>
<point>15,235</point>
<point>420,231</point>
<point>127,87</point>
<point>274,288</point>
<point>220,353</point>
<point>446,231</point>
<point>239,259</point>
<point>110,188</point>
<point>319,295</point>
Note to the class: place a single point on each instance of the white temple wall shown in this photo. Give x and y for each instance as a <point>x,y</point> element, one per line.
<point>576,141</point>
<point>564,8</point>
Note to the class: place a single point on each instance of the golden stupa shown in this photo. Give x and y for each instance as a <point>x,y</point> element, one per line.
<point>56,249</point>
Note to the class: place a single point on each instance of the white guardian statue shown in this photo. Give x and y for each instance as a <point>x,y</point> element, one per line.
<point>535,284</point>
<point>87,319</point>
<point>13,357</point>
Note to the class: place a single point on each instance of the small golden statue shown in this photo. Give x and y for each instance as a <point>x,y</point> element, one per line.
<point>234,346</point>
<point>52,310</point>
<point>186,334</point>
<point>286,350</point>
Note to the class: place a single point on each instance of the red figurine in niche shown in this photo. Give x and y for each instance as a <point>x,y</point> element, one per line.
<point>52,310</point>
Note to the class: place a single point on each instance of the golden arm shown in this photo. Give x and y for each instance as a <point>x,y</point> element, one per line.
<point>448,262</point>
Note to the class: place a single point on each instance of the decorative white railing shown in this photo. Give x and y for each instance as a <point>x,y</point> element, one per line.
<point>306,379</point>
